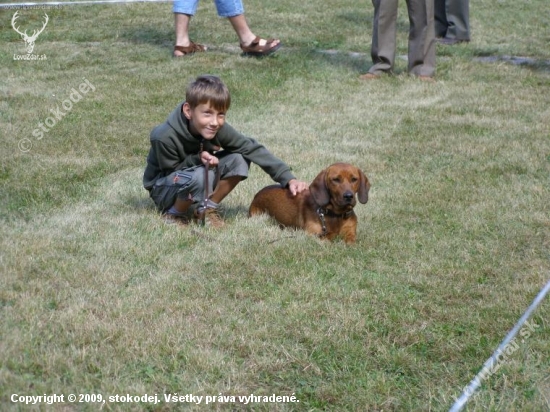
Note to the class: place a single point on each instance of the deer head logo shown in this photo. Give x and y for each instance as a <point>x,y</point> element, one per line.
<point>26,38</point>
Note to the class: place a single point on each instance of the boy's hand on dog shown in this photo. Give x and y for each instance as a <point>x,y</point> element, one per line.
<point>209,160</point>
<point>297,186</point>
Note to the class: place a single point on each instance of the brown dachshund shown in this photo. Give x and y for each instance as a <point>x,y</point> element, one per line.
<point>325,210</point>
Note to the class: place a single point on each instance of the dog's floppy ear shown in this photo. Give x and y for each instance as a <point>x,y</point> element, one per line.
<point>364,186</point>
<point>318,189</point>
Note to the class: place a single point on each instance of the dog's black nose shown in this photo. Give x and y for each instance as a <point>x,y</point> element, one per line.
<point>348,196</point>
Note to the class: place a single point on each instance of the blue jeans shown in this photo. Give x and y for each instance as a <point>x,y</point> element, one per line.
<point>225,8</point>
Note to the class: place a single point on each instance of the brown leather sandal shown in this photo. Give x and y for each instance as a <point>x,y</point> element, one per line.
<point>254,49</point>
<point>192,48</point>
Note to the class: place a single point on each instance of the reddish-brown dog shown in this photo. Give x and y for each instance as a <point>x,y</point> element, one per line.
<point>325,210</point>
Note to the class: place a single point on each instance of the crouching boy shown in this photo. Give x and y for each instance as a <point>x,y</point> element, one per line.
<point>196,136</point>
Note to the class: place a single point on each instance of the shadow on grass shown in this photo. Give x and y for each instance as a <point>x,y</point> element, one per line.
<point>233,211</point>
<point>145,204</point>
<point>163,38</point>
<point>140,203</point>
<point>358,62</point>
<point>530,63</point>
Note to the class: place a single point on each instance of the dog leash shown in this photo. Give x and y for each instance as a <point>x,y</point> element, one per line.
<point>205,201</point>
<point>321,213</point>
<point>323,223</point>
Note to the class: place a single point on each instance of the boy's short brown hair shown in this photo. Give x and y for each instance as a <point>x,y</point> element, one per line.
<point>208,89</point>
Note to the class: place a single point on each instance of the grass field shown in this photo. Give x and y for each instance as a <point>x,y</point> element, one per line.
<point>98,296</point>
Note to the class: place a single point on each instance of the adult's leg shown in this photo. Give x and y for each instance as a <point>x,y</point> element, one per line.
<point>383,36</point>
<point>234,11</point>
<point>246,36</point>
<point>458,16</point>
<point>440,14</point>
<point>182,29</point>
<point>421,38</point>
<point>183,11</point>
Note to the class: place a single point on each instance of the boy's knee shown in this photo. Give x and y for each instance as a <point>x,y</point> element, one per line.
<point>234,164</point>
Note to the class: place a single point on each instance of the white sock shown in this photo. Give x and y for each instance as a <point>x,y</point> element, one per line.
<point>209,205</point>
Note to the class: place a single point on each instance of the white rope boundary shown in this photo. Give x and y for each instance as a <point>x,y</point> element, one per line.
<point>476,382</point>
<point>70,3</point>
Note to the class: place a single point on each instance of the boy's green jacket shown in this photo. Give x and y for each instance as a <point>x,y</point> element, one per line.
<point>173,147</point>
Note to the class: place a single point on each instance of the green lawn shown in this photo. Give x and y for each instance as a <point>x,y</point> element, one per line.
<point>99,296</point>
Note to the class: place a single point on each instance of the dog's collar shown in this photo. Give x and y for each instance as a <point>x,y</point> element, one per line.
<point>322,212</point>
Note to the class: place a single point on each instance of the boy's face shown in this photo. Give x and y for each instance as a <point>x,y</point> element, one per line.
<point>204,120</point>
